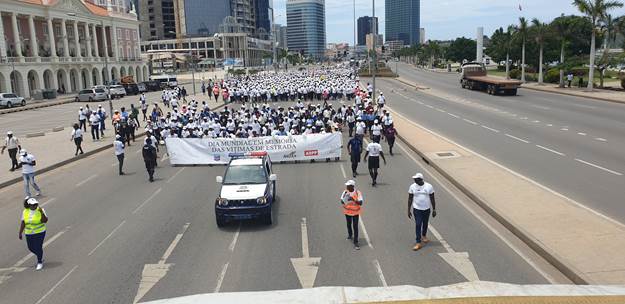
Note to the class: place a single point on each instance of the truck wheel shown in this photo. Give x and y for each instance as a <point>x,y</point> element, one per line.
<point>221,222</point>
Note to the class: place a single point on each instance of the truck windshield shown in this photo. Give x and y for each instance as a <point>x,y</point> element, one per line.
<point>250,174</point>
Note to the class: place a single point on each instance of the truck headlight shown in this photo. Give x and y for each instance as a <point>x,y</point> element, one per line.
<point>222,201</point>
<point>261,200</point>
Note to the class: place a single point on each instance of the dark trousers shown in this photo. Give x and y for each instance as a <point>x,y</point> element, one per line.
<point>421,218</point>
<point>13,156</point>
<point>352,227</point>
<point>82,124</point>
<point>120,160</point>
<point>150,167</point>
<point>95,132</point>
<point>78,142</point>
<point>391,143</point>
<point>35,244</point>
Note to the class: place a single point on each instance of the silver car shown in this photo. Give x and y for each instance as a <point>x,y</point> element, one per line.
<point>117,91</point>
<point>10,100</point>
<point>91,95</point>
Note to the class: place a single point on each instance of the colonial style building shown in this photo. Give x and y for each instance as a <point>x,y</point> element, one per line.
<point>67,44</point>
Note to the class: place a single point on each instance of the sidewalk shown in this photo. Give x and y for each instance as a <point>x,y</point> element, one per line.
<point>587,247</point>
<point>55,148</point>
<point>600,94</point>
<point>35,104</point>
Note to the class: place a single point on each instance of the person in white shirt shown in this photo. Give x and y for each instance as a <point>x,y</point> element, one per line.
<point>381,100</point>
<point>77,138</point>
<point>82,118</point>
<point>374,152</point>
<point>12,144</point>
<point>420,201</point>
<point>376,131</point>
<point>118,144</point>
<point>28,163</point>
<point>94,119</point>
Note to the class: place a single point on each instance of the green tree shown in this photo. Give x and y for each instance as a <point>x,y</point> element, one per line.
<point>460,49</point>
<point>595,10</point>
<point>522,32</point>
<point>562,28</point>
<point>540,32</point>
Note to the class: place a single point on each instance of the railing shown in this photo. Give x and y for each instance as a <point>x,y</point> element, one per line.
<point>30,59</point>
<point>76,59</point>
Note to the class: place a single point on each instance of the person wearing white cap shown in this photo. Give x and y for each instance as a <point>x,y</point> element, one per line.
<point>420,201</point>
<point>76,136</point>
<point>33,225</point>
<point>374,152</point>
<point>12,144</point>
<point>376,131</point>
<point>351,201</point>
<point>28,163</point>
<point>118,144</point>
<point>381,100</point>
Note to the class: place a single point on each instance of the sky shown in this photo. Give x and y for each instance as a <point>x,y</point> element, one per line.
<point>442,19</point>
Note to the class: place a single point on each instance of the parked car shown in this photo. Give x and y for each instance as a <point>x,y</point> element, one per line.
<point>117,91</point>
<point>142,87</point>
<point>153,85</point>
<point>131,88</point>
<point>91,95</point>
<point>10,100</point>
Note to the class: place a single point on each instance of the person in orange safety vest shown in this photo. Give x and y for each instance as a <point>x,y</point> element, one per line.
<point>351,201</point>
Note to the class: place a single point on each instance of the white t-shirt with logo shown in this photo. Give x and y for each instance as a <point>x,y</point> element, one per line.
<point>376,130</point>
<point>374,149</point>
<point>119,147</point>
<point>27,168</point>
<point>421,196</point>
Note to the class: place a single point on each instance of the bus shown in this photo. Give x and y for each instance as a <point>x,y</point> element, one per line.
<point>166,80</point>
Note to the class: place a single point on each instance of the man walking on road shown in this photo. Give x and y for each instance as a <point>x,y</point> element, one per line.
<point>351,200</point>
<point>94,119</point>
<point>354,148</point>
<point>28,163</point>
<point>12,144</point>
<point>374,152</point>
<point>119,152</point>
<point>420,202</point>
<point>149,157</point>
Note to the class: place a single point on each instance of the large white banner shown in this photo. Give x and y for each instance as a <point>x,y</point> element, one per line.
<point>207,151</point>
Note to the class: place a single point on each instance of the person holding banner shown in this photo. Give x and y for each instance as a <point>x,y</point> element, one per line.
<point>374,152</point>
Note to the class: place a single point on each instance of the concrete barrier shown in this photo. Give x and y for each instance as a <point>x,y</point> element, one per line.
<point>58,129</point>
<point>36,134</point>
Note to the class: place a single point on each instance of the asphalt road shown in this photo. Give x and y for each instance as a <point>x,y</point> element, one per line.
<point>105,228</point>
<point>569,144</point>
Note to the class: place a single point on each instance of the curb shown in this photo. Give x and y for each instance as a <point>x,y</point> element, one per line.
<point>574,95</point>
<point>73,159</point>
<point>564,267</point>
<point>35,106</point>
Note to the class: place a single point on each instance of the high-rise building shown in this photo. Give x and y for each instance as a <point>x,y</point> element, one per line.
<point>157,19</point>
<point>264,16</point>
<point>306,27</point>
<point>281,35</point>
<point>203,17</point>
<point>365,27</point>
<point>403,21</point>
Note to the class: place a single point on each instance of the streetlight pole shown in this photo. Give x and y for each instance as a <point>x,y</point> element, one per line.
<point>375,52</point>
<point>193,67</point>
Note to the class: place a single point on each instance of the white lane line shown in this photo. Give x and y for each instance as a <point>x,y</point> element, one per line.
<point>56,285</point>
<point>48,242</point>
<point>364,231</point>
<point>549,125</point>
<point>524,118</point>
<point>378,269</point>
<point>233,243</point>
<point>601,139</point>
<point>440,239</point>
<point>599,167</point>
<point>173,244</point>
<point>491,129</point>
<point>492,229</point>
<point>114,164</point>
<point>48,201</point>
<point>580,133</point>
<point>222,275</point>
<point>106,238</point>
<point>541,107</point>
<point>147,200</point>
<point>174,176</point>
<point>470,121</point>
<point>138,151</point>
<point>165,157</point>
<point>441,110</point>
<point>343,171</point>
<point>519,139</point>
<point>86,180</point>
<point>550,150</point>
<point>429,106</point>
<point>536,121</point>
<point>453,115</point>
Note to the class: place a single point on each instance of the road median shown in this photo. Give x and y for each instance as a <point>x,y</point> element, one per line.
<point>578,241</point>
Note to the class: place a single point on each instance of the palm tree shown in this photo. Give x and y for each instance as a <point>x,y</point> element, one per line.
<point>522,32</point>
<point>563,30</point>
<point>540,30</point>
<point>508,44</point>
<point>595,10</point>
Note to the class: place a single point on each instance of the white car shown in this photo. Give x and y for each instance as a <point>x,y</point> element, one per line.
<point>248,189</point>
<point>116,91</point>
<point>10,100</point>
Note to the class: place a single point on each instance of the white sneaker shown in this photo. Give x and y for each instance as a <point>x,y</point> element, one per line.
<point>39,266</point>
<point>38,194</point>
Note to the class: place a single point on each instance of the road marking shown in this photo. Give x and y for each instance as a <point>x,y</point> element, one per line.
<point>524,118</point>
<point>378,269</point>
<point>165,157</point>
<point>106,238</point>
<point>550,150</point>
<point>364,231</point>
<point>138,151</point>
<point>491,129</point>
<point>564,129</point>
<point>173,244</point>
<point>48,242</point>
<point>540,107</point>
<point>306,267</point>
<point>549,125</point>
<point>601,139</point>
<point>56,285</point>
<point>222,275</point>
<point>48,201</point>
<point>599,167</point>
<point>147,200</point>
<point>174,176</point>
<point>441,110</point>
<point>458,260</point>
<point>234,239</point>
<point>429,106</point>
<point>114,164</point>
<point>536,121</point>
<point>519,139</point>
<point>343,171</point>
<point>86,180</point>
<point>470,121</point>
<point>580,133</point>
<point>453,115</point>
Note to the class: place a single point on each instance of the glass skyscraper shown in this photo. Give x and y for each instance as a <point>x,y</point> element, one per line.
<point>203,17</point>
<point>306,27</point>
<point>403,21</point>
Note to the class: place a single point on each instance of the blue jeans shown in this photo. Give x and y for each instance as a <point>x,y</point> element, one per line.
<point>35,244</point>
<point>29,178</point>
<point>421,218</point>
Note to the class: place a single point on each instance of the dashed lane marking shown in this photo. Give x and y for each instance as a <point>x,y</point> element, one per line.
<point>491,129</point>
<point>56,285</point>
<point>550,150</point>
<point>86,180</point>
<point>599,167</point>
<point>378,269</point>
<point>517,138</point>
<point>470,121</point>
<point>148,199</point>
<point>106,238</point>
